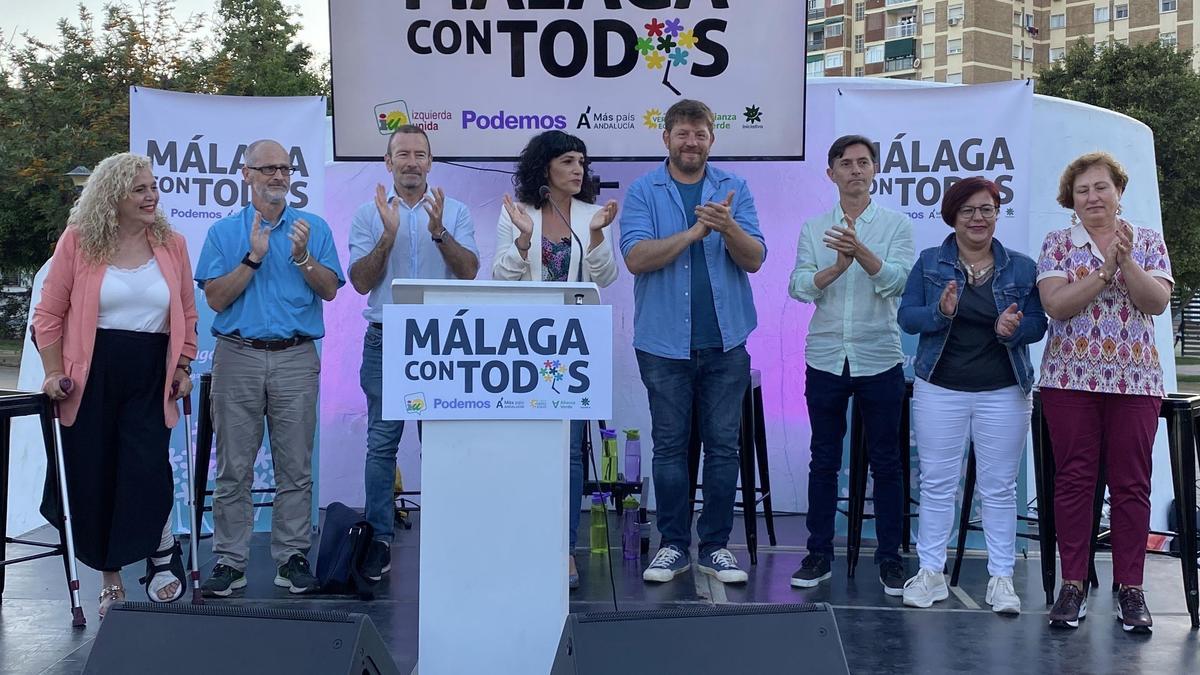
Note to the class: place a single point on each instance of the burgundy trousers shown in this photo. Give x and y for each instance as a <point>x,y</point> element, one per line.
<point>1084,427</point>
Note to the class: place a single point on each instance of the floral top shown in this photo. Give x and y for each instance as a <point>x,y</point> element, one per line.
<point>1108,347</point>
<point>556,258</point>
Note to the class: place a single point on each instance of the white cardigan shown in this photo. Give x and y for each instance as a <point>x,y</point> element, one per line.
<point>600,264</point>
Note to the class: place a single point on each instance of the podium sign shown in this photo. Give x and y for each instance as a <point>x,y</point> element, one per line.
<point>497,362</point>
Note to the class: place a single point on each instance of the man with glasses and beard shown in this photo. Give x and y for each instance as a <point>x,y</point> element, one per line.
<point>265,271</point>
<point>409,231</point>
<point>690,236</point>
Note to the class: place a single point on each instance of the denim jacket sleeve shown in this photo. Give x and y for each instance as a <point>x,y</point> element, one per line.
<point>916,315</point>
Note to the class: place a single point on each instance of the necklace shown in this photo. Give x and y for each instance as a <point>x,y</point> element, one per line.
<point>977,273</point>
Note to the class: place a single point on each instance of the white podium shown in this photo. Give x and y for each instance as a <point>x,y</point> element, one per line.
<point>493,571</point>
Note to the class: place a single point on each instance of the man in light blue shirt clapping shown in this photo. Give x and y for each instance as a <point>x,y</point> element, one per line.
<point>690,235</point>
<point>852,263</point>
<point>407,232</point>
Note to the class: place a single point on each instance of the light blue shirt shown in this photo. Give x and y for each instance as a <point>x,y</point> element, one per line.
<point>414,253</point>
<point>277,303</point>
<point>662,314</point>
<point>855,319</point>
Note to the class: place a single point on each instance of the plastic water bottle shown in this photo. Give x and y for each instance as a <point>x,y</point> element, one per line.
<point>633,456</point>
<point>631,532</point>
<point>599,528</point>
<point>608,455</point>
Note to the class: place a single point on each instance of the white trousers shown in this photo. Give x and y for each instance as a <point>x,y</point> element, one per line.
<point>944,421</point>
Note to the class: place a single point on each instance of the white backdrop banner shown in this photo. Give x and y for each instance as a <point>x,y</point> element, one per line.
<point>197,146</point>
<point>497,362</point>
<point>946,134</point>
<point>482,77</point>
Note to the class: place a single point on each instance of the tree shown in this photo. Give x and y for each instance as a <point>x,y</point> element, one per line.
<point>66,103</point>
<point>1157,86</point>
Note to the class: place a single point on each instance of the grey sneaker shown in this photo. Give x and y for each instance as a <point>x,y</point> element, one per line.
<point>223,581</point>
<point>668,563</point>
<point>295,575</point>
<point>722,565</point>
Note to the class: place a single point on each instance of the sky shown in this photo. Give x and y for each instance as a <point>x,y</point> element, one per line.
<point>41,18</point>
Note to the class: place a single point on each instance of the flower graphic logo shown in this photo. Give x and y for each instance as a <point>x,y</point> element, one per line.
<point>667,44</point>
<point>650,119</point>
<point>753,115</point>
<point>553,372</point>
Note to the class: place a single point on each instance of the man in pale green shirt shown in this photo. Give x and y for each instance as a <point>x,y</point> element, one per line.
<point>852,263</point>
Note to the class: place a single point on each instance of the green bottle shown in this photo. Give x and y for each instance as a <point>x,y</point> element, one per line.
<point>608,455</point>
<point>599,529</point>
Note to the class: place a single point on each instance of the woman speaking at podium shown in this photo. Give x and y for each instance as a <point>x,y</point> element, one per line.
<point>556,210</point>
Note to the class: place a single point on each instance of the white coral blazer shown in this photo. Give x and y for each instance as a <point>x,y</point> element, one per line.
<point>599,264</point>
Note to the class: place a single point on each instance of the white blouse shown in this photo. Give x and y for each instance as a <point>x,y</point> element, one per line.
<point>137,300</point>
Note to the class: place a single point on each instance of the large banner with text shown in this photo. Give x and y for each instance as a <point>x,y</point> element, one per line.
<point>946,134</point>
<point>197,148</point>
<point>497,362</point>
<point>483,77</point>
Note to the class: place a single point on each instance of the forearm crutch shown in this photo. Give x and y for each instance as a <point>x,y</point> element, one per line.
<point>193,522</point>
<point>77,618</point>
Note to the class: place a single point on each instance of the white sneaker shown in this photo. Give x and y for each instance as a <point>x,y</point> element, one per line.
<point>1002,596</point>
<point>669,562</point>
<point>925,589</point>
<point>722,565</point>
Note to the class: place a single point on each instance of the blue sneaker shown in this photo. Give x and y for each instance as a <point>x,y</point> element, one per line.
<point>669,562</point>
<point>722,565</point>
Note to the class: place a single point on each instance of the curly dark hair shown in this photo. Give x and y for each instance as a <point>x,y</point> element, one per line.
<point>533,167</point>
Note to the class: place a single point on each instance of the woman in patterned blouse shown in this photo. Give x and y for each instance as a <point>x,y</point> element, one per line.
<point>1102,281</point>
<point>556,211</point>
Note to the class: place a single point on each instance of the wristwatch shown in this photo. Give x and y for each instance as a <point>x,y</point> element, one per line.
<point>185,367</point>
<point>250,263</point>
<point>440,236</point>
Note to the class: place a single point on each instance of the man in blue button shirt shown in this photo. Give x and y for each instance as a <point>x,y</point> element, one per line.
<point>266,271</point>
<point>690,235</point>
<point>852,262</point>
<point>407,232</point>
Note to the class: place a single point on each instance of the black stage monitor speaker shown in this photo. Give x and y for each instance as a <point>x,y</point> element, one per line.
<point>143,638</point>
<point>758,639</point>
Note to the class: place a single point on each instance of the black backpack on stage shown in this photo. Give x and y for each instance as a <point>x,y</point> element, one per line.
<point>345,537</point>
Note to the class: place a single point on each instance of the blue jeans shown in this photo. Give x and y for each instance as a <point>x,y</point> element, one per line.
<point>713,382</point>
<point>383,439</point>
<point>881,397</point>
<point>578,428</point>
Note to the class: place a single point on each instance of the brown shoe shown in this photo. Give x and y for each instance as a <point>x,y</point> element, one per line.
<point>1132,611</point>
<point>1070,607</point>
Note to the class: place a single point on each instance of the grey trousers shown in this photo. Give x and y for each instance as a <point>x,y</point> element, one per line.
<point>247,385</point>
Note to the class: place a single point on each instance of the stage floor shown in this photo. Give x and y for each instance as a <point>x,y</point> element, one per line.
<point>879,634</point>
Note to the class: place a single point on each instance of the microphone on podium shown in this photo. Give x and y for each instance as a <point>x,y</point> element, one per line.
<point>544,193</point>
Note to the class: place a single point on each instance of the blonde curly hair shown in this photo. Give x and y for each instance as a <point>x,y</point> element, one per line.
<point>94,214</point>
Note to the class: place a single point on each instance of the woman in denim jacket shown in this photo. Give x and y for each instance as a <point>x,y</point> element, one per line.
<point>975,306</point>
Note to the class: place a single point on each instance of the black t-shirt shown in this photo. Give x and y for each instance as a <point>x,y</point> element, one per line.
<point>973,358</point>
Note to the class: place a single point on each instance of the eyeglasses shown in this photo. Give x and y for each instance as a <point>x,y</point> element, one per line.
<point>272,170</point>
<point>968,212</point>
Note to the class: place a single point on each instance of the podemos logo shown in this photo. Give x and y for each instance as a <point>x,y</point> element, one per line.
<point>502,121</point>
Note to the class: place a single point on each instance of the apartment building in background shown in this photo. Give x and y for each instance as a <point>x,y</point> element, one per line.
<point>974,41</point>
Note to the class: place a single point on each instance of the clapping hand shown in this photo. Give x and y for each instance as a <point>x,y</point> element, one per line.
<point>389,213</point>
<point>604,217</point>
<point>949,301</point>
<point>1009,320</point>
<point>260,239</point>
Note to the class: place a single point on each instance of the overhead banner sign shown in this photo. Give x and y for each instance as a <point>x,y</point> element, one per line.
<point>446,362</point>
<point>197,147</point>
<point>938,136</point>
<point>481,77</point>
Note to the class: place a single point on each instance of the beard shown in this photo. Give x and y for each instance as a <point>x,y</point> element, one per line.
<point>691,163</point>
